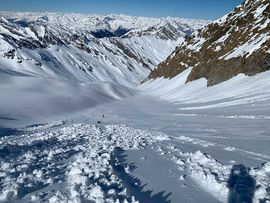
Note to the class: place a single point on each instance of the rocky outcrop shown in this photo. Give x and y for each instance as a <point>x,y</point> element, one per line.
<point>237,43</point>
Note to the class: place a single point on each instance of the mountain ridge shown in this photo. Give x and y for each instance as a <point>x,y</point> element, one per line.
<point>236,43</point>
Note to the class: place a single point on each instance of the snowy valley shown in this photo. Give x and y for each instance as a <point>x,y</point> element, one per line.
<point>130,109</point>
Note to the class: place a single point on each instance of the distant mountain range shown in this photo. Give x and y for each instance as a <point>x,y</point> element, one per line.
<point>84,48</point>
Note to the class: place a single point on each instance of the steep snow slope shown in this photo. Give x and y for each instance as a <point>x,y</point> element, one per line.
<point>85,48</point>
<point>196,95</point>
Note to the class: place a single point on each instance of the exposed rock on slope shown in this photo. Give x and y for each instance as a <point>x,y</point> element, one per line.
<point>237,43</point>
<point>85,48</point>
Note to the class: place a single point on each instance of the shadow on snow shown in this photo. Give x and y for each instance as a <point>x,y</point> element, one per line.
<point>241,185</point>
<point>134,185</point>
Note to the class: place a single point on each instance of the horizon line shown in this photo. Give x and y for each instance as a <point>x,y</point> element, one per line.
<point>106,14</point>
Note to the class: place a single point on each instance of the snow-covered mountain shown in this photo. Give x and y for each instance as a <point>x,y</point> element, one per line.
<point>237,43</point>
<point>69,133</point>
<point>85,48</point>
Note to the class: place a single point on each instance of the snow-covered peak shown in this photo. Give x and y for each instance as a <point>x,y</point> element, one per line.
<point>92,22</point>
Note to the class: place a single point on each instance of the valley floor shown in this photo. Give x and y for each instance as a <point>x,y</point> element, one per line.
<point>140,149</point>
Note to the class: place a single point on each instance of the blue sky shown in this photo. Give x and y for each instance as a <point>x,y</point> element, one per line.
<point>201,9</point>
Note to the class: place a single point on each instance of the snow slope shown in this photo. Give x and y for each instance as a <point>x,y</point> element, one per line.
<point>25,99</point>
<point>239,90</point>
<point>189,152</point>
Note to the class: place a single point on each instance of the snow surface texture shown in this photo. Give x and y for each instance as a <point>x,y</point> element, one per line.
<point>53,163</point>
<point>71,164</point>
<point>205,144</point>
<point>212,175</point>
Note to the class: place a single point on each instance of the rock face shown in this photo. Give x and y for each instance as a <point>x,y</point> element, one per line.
<point>237,43</point>
<point>85,48</point>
